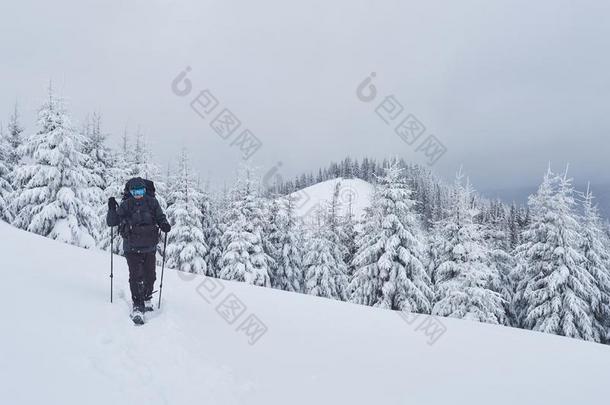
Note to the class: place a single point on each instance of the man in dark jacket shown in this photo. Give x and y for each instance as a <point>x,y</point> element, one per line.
<point>139,218</point>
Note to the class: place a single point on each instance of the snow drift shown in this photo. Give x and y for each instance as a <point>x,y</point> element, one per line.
<point>62,342</point>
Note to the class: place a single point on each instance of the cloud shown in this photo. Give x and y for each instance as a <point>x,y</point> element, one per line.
<point>506,85</point>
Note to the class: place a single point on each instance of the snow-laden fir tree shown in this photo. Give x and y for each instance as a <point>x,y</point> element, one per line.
<point>465,280</point>
<point>513,227</point>
<point>186,246</point>
<point>125,153</point>
<point>497,235</point>
<point>244,258</point>
<point>98,160</point>
<point>6,189</point>
<point>434,249</point>
<point>333,216</point>
<point>324,268</point>
<point>288,242</point>
<point>54,193</point>
<point>597,262</point>
<point>556,293</point>
<point>389,272</point>
<point>333,220</point>
<point>349,235</point>
<point>169,178</point>
<point>14,139</point>
<point>116,178</point>
<point>211,223</point>
<point>436,246</point>
<point>211,232</point>
<point>271,233</point>
<point>97,153</point>
<point>13,154</point>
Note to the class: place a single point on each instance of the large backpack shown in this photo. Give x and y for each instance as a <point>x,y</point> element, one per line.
<point>147,236</point>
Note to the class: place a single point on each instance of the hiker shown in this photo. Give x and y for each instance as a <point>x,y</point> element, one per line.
<point>139,217</point>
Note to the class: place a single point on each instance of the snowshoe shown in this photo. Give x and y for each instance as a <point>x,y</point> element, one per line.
<point>137,316</point>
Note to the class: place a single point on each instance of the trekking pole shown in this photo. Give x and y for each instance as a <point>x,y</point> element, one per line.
<point>111,259</point>
<point>162,270</point>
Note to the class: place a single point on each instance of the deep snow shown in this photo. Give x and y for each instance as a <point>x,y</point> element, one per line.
<point>62,342</point>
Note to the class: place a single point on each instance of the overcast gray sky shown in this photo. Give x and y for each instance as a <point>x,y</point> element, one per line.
<point>507,86</point>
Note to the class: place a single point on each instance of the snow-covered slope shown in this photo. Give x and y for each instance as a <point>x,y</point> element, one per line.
<point>356,191</point>
<point>62,342</point>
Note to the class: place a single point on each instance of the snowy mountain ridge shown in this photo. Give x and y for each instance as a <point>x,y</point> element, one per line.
<point>65,336</point>
<point>353,194</point>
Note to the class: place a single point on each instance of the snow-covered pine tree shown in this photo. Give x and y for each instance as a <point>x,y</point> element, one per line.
<point>116,177</point>
<point>211,218</point>
<point>186,246</point>
<point>556,291</point>
<point>169,178</point>
<point>513,227</point>
<point>496,233</point>
<point>435,247</point>
<point>96,151</point>
<point>53,198</point>
<point>288,274</point>
<point>389,272</point>
<point>208,220</point>
<point>14,139</point>
<point>6,189</point>
<point>13,153</point>
<point>464,279</point>
<point>244,258</point>
<point>334,223</point>
<point>597,263</point>
<point>436,244</point>
<point>125,153</point>
<point>349,236</point>
<point>271,233</point>
<point>324,268</point>
<point>98,160</point>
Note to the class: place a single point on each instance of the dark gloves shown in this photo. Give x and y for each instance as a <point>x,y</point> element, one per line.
<point>112,204</point>
<point>165,227</point>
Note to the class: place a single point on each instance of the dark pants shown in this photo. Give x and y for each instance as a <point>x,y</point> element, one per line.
<point>142,275</point>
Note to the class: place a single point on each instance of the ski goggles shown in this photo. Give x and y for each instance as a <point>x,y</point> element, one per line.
<point>138,192</point>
